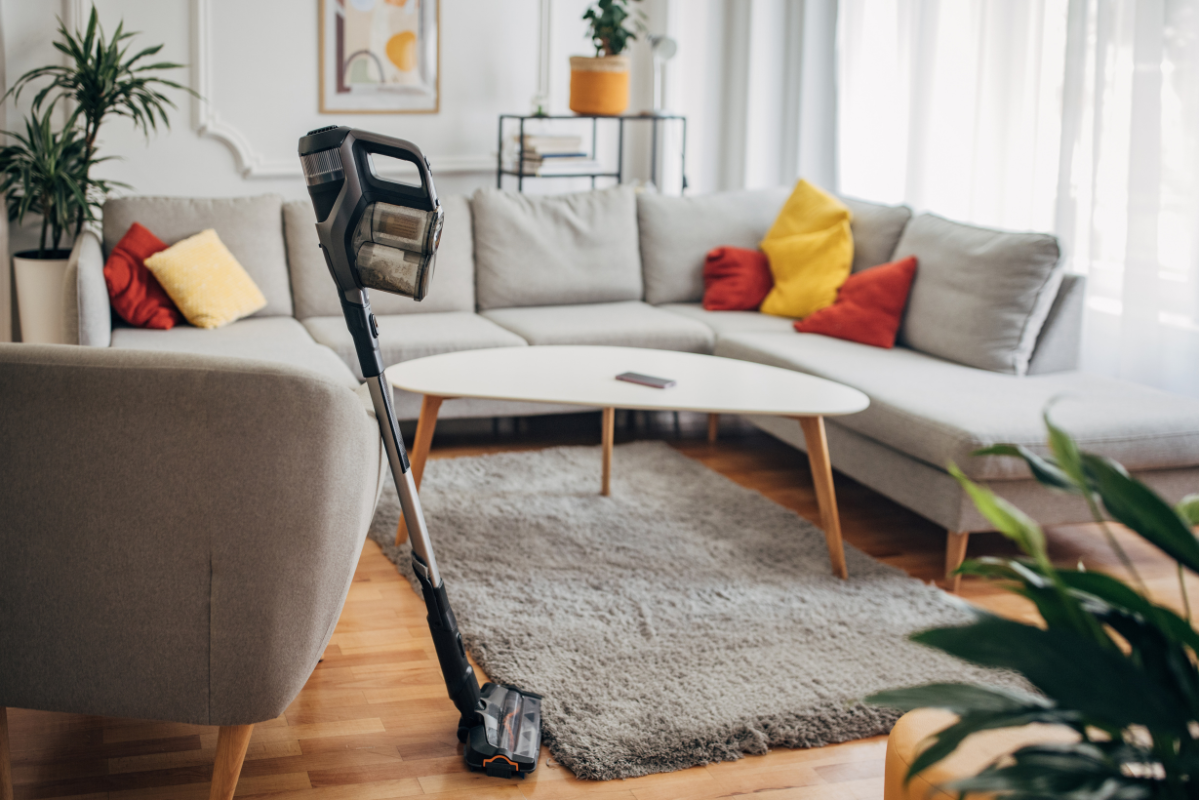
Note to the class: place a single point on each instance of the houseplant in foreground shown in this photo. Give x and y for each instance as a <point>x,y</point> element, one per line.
<point>600,85</point>
<point>49,173</point>
<point>1117,668</point>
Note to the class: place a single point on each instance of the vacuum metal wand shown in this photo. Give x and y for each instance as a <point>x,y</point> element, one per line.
<point>461,683</point>
<point>406,488</point>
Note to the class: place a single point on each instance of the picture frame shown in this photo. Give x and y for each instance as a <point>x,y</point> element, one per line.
<point>379,56</point>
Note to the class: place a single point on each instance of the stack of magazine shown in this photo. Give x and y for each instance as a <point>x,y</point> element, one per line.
<point>550,155</point>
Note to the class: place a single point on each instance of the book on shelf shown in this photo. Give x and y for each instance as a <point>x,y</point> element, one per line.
<point>548,144</point>
<point>555,166</point>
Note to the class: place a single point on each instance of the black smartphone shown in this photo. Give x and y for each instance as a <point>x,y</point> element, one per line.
<point>646,380</point>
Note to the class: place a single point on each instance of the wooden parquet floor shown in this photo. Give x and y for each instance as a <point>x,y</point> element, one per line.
<point>374,722</point>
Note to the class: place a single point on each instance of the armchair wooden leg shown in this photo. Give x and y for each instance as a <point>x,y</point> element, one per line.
<point>956,552</point>
<point>232,742</point>
<point>6,783</point>
<point>714,427</point>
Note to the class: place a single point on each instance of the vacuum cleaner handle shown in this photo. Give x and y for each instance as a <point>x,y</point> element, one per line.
<point>370,143</point>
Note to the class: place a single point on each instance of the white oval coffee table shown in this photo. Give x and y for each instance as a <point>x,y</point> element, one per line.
<point>586,376</point>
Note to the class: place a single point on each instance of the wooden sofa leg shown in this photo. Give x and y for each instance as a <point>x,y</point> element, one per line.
<point>232,742</point>
<point>714,427</point>
<point>6,783</point>
<point>956,552</point>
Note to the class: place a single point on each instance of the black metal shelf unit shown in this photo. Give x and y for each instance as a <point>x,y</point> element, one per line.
<point>520,174</point>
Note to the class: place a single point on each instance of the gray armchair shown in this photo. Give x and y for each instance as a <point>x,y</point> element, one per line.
<point>178,534</point>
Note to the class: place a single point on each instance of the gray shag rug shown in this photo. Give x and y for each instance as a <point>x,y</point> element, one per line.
<point>681,621</point>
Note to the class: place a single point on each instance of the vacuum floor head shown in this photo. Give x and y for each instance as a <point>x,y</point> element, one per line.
<point>507,743</point>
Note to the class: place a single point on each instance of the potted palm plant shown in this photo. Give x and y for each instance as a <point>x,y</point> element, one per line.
<point>49,173</point>
<point>1108,663</point>
<point>600,84</point>
<point>42,172</point>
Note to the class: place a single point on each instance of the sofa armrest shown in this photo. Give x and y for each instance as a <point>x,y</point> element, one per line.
<point>180,531</point>
<point>1057,348</point>
<point>87,317</point>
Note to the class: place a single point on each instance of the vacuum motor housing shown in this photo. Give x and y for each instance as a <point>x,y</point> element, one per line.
<point>376,233</point>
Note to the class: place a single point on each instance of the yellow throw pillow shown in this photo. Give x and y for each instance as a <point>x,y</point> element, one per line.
<point>809,249</point>
<point>204,279</point>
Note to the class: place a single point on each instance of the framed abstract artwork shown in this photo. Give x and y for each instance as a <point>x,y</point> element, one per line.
<point>379,56</point>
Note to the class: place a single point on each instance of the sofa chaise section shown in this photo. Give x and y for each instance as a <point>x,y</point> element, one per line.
<point>927,411</point>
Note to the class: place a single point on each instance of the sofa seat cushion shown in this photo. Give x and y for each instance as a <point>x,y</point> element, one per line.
<point>403,337</point>
<point>939,411</point>
<point>556,249</point>
<point>633,324</point>
<point>453,287</point>
<point>279,339</point>
<point>251,227</point>
<point>723,323</point>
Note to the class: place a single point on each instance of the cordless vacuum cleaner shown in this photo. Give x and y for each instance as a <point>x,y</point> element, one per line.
<point>384,235</point>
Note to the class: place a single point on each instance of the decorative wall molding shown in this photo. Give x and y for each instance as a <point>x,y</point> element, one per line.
<point>251,164</point>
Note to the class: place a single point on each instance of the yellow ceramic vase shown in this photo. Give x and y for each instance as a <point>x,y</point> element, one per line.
<point>599,85</point>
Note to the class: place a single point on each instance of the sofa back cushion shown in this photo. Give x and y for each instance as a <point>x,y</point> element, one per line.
<point>251,227</point>
<point>876,229</point>
<point>676,234</point>
<point>981,295</point>
<point>453,287</point>
<point>556,250</point>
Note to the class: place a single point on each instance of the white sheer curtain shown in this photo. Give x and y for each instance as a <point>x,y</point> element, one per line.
<point>1072,116</point>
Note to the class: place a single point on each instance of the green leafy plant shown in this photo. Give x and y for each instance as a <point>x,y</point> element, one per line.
<point>609,22</point>
<point>1108,662</point>
<point>43,171</point>
<point>101,79</point>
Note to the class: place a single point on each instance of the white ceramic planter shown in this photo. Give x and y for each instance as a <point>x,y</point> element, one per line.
<point>40,295</point>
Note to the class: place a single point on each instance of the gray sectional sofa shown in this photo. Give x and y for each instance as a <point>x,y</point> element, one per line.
<point>991,335</point>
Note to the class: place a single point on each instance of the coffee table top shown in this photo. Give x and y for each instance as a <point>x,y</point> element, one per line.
<point>586,376</point>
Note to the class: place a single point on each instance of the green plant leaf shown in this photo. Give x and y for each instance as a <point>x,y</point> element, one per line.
<point>1008,519</point>
<point>960,698</point>
<point>1138,508</point>
<point>1189,510</point>
<point>1066,453</point>
<point>1044,470</point>
<point>947,740</point>
<point>1052,770</point>
<point>1119,595</point>
<point>1071,670</point>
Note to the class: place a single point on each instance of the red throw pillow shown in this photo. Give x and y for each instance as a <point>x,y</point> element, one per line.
<point>736,279</point>
<point>135,293</point>
<point>869,307</point>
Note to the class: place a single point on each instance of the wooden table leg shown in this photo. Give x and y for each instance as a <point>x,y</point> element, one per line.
<point>714,424</point>
<point>822,472</point>
<point>420,450</point>
<point>606,441</point>
<point>232,741</point>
